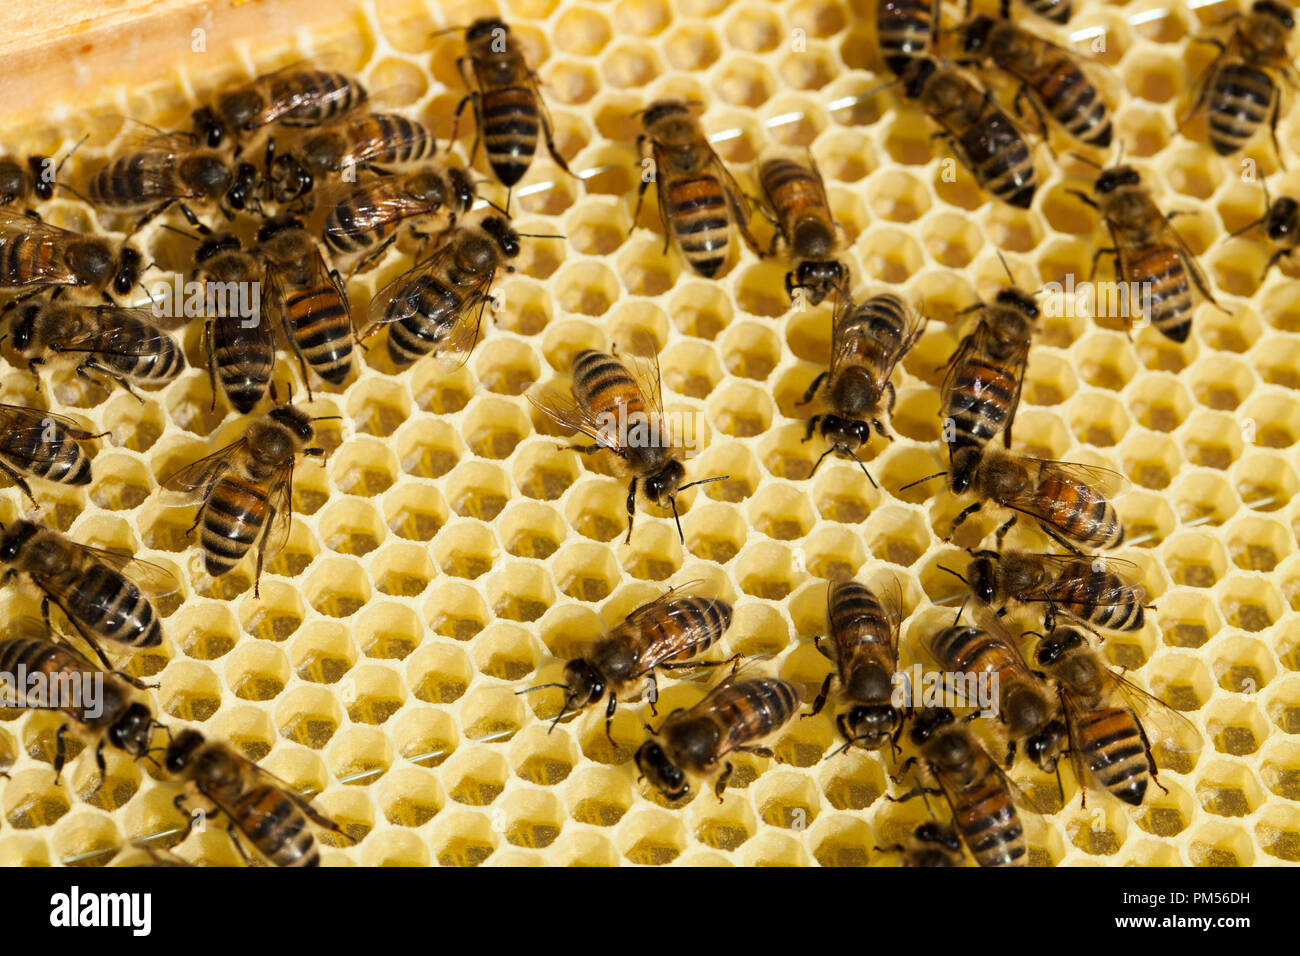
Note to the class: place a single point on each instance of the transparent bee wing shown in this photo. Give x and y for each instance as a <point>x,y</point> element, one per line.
<point>118,331</point>
<point>42,431</point>
<point>563,409</point>
<point>201,475</point>
<point>401,299</point>
<point>43,269</point>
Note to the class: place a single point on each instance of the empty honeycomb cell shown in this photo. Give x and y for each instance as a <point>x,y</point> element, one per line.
<point>1251,604</point>
<point>408,797</point>
<point>1221,383</point>
<point>889,255</point>
<point>351,527</point>
<point>1099,831</point>
<point>1097,418</point>
<point>786,800</point>
<point>1104,361</point>
<point>436,391</point>
<point>308,715</point>
<point>749,350</point>
<point>691,369</point>
<point>1205,497</point>
<point>1242,665</point>
<point>494,428</point>
<point>121,482</point>
<point>1227,789</point>
<point>521,306</point>
<point>1265,482</point>
<point>724,826</point>
<point>598,230</point>
<point>530,818</point>
<point>1195,559</point>
<point>359,755</point>
<point>379,409</point>
<point>478,490</point>
<point>651,837</point>
<point>1212,440</point>
<point>950,239</point>
<point>1159,402</point>
<point>781,512</point>
<point>1183,682</point>
<point>916,414</point>
<point>189,691</point>
<point>362,467</point>
<point>773,849</point>
<point>129,425</point>
<point>1150,460</point>
<point>897,535</point>
<point>507,366</point>
<point>833,552</point>
<point>585,572</point>
<point>337,587</point>
<point>1272,421</point>
<point>462,837</point>
<point>466,550</point>
<point>257,671</point>
<point>1257,544</point>
<point>581,32</point>
<point>1187,618</point>
<point>204,630</point>
<point>1277,361</point>
<point>630,65</point>
<point>415,512</point>
<point>1235,727</point>
<point>1282,704</point>
<point>766,570</point>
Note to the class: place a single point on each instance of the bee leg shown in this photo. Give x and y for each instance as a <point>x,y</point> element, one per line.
<point>31,367</point>
<point>233,831</point>
<point>1022,96</point>
<point>1272,261</point>
<point>369,257</point>
<point>60,752</point>
<point>211,359</point>
<point>631,509</point>
<point>1001,533</point>
<point>812,427</point>
<point>962,515</point>
<point>1272,127</point>
<point>820,702</point>
<point>1011,755</point>
<point>103,767</point>
<point>1151,759</point>
<point>721,785</point>
<point>812,389</point>
<point>1073,549</point>
<point>917,791</point>
<point>19,481</point>
<point>155,212</point>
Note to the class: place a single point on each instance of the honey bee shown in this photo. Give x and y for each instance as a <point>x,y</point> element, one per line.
<point>309,298</point>
<point>1049,74</point>
<point>867,343</point>
<point>437,305</point>
<point>292,96</point>
<point>508,107</point>
<point>906,29</point>
<point>663,634</point>
<point>363,142</point>
<point>698,199</point>
<point>982,798</point>
<point>618,404</point>
<point>1281,222</point>
<point>864,633</point>
<point>1089,590</point>
<point>240,348</point>
<point>931,844</point>
<point>798,205</point>
<point>1058,11</point>
<point>258,804</point>
<point>36,256</point>
<point>38,444</point>
<point>246,489</point>
<point>1025,703</point>
<point>984,138</point>
<point>1070,501</point>
<point>107,711</point>
<point>1239,90</point>
<point>102,593</point>
<point>696,740</point>
<point>122,345</point>
<point>1109,745</point>
<point>981,389</point>
<point>169,170</point>
<point>368,216</point>
<point>1149,253</point>
<point>21,181</point>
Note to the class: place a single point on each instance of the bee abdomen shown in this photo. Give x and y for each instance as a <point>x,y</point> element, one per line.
<point>1058,11</point>
<point>855,612</point>
<point>434,309</point>
<point>979,402</point>
<point>1002,163</point>
<point>320,326</point>
<point>357,222</point>
<point>232,519</point>
<point>990,825</point>
<point>1079,601</point>
<point>600,382</point>
<point>1163,271</point>
<point>277,827</point>
<point>113,608</point>
<point>701,221</point>
<point>756,707</point>
<point>1112,742</point>
<point>903,27</point>
<point>53,455</point>
<point>1240,98</point>
<point>321,95</point>
<point>1076,104</point>
<point>243,369</point>
<point>510,127</point>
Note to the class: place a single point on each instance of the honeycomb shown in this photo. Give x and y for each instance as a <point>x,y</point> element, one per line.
<point>445,555</point>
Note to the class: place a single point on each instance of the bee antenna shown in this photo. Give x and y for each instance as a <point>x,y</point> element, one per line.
<point>59,167</point>
<point>921,481</point>
<point>528,690</point>
<point>539,235</point>
<point>1006,268</point>
<point>861,97</point>
<point>863,467</point>
<point>445,30</point>
<point>328,418</point>
<point>819,461</point>
<point>1246,228</point>
<point>75,193</point>
<point>702,481</point>
<point>558,717</point>
<point>1087,160</point>
<point>954,574</point>
<point>182,232</point>
<point>960,611</point>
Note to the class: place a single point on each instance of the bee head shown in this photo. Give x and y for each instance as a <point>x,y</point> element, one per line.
<point>661,109</point>
<point>17,535</point>
<point>585,684</point>
<point>929,721</point>
<point>1115,177</point>
<point>872,725</point>
<point>1046,746</point>
<point>976,33</point>
<point>181,750</point>
<point>1277,11</point>
<point>130,265</point>
<point>916,75</point>
<point>655,766</point>
<point>818,278</point>
<point>965,462</point>
<point>295,420</point>
<point>244,186</point>
<point>1019,300</point>
<point>206,173</point>
<point>661,487</point>
<point>209,130</point>
<point>847,433</point>
<point>982,574</point>
<point>1281,219</point>
<point>24,327</point>
<point>42,184</point>
<point>277,225</point>
<point>1055,645</point>
<point>133,731</point>
<point>486,27</point>
<point>289,178</point>
<point>214,244</point>
<point>462,188</point>
<point>933,832</point>
<point>506,238</point>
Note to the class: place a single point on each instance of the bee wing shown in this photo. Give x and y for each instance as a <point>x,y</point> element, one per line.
<point>676,643</point>
<point>637,613</point>
<point>1171,727</point>
<point>149,577</point>
<point>1101,480</point>
<point>1059,587</point>
<point>202,474</point>
<point>277,109</point>
<point>400,299</point>
<point>156,177</point>
<point>644,370</point>
<point>48,269</point>
<point>891,599</point>
<point>280,499</point>
<point>564,409</point>
<point>372,205</point>
<point>118,331</point>
<point>247,344</point>
<point>23,421</point>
